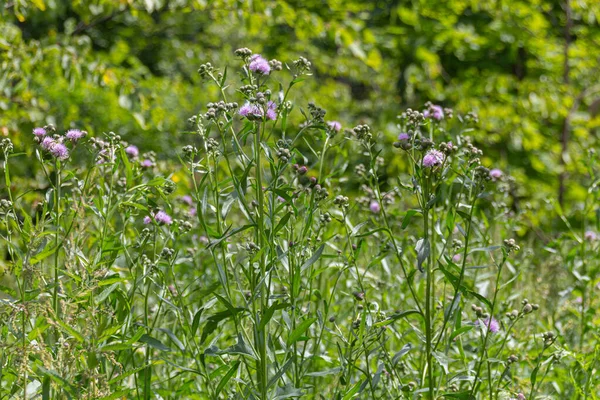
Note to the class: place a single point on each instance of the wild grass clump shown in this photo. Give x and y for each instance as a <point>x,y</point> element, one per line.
<point>285,255</point>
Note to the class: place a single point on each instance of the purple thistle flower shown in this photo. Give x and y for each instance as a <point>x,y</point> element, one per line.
<point>163,218</point>
<point>435,112</point>
<point>590,236</point>
<point>193,211</point>
<point>187,199</point>
<point>250,111</point>
<point>39,132</point>
<point>456,258</point>
<point>59,151</point>
<point>147,220</point>
<point>403,136</point>
<point>433,158</point>
<point>496,174</point>
<point>492,324</point>
<point>47,142</point>
<point>374,207</point>
<point>132,150</point>
<point>147,163</point>
<point>271,113</point>
<point>334,126</point>
<point>259,65</point>
<point>75,134</point>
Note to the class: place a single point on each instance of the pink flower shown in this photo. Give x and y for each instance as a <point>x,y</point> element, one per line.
<point>491,324</point>
<point>271,113</point>
<point>59,151</point>
<point>374,207</point>
<point>433,158</point>
<point>39,132</point>
<point>259,65</point>
<point>187,199</point>
<point>590,236</point>
<point>147,220</point>
<point>132,150</point>
<point>435,112</point>
<point>47,142</point>
<point>334,126</point>
<point>495,174</point>
<point>403,136</point>
<point>250,111</point>
<point>147,163</point>
<point>75,134</point>
<point>456,258</point>
<point>163,218</point>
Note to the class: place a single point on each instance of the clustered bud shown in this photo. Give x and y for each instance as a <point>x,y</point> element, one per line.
<point>189,151</point>
<point>325,218</point>
<point>341,201</point>
<point>205,69</point>
<point>511,245</point>
<point>363,132</point>
<point>215,110</point>
<point>7,145</point>
<point>549,338</point>
<point>479,311</point>
<point>412,117</point>
<point>276,65</point>
<point>212,145</point>
<point>244,53</point>
<point>167,253</point>
<point>321,193</point>
<point>482,173</point>
<point>302,65</point>
<point>300,169</point>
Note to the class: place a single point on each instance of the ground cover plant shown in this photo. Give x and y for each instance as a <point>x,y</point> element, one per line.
<point>280,256</point>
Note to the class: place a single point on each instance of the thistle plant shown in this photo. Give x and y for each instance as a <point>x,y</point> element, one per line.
<point>285,255</point>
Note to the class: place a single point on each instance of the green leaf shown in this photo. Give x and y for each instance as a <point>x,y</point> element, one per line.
<point>300,329</point>
<point>313,258</point>
<point>71,331</point>
<point>395,317</point>
<point>423,248</point>
<point>407,217</point>
<point>227,377</point>
<point>153,342</point>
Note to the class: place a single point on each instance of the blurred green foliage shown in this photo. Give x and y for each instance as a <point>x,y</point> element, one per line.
<point>529,68</point>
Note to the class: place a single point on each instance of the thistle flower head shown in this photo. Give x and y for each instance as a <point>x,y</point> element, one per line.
<point>132,150</point>
<point>495,174</point>
<point>489,323</point>
<point>163,218</point>
<point>433,158</point>
<point>435,112</point>
<point>374,207</point>
<point>75,134</point>
<point>271,113</point>
<point>591,236</point>
<point>39,132</point>
<point>47,142</point>
<point>259,65</point>
<point>334,126</point>
<point>59,150</point>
